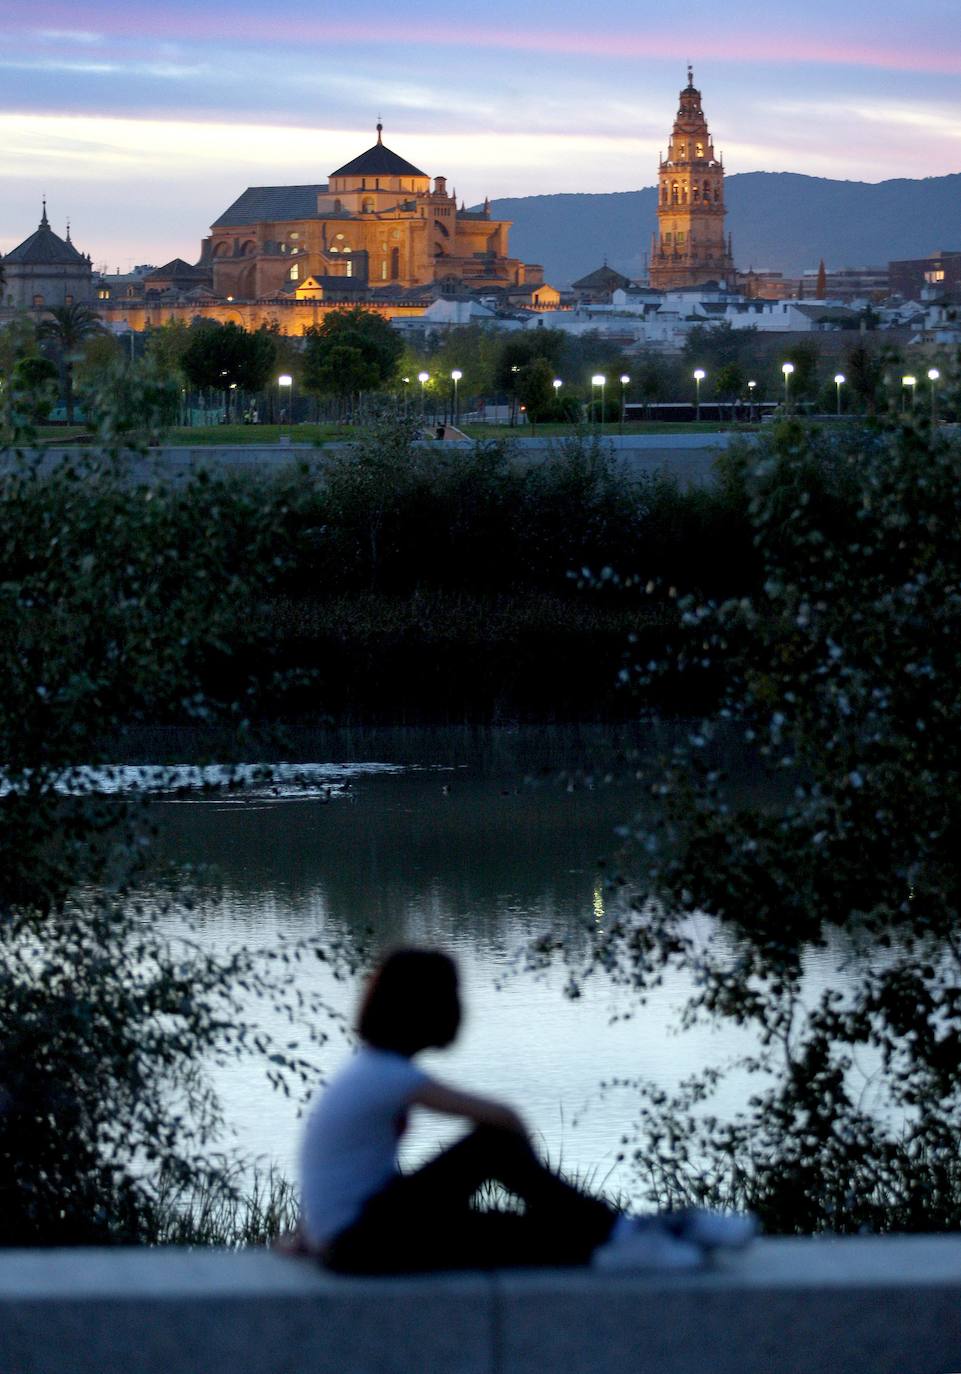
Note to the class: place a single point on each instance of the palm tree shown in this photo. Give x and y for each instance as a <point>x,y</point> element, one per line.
<point>66,329</point>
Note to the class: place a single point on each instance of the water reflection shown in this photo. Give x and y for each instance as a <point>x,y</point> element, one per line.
<point>473,843</point>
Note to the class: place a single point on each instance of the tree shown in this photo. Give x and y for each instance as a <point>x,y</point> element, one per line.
<point>840,688</point>
<point>534,388</point>
<point>730,381</point>
<point>119,603</point>
<point>33,388</point>
<point>864,371</point>
<point>806,358</point>
<point>351,352</point>
<point>66,331</point>
<point>221,356</point>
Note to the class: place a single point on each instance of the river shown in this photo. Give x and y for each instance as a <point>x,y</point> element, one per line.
<point>474,841</point>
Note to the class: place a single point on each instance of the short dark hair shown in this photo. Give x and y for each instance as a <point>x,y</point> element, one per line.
<point>411,1002</point>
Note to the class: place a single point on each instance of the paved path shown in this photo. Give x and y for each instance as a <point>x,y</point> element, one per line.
<point>687,457</point>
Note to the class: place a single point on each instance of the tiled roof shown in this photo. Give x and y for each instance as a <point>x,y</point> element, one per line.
<point>259,203</point>
<point>45,248</point>
<point>601,279</point>
<point>378,161</point>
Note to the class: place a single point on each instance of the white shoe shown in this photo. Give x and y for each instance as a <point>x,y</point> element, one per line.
<point>714,1230</point>
<point>649,1248</point>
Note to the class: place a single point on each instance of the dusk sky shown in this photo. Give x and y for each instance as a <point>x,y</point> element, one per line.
<point>142,123</point>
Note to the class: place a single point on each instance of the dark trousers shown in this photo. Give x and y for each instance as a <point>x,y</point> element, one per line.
<point>423,1221</point>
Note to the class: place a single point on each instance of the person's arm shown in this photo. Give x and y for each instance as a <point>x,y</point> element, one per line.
<point>485,1111</point>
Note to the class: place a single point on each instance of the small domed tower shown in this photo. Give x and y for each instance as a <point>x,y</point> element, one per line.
<point>689,247</point>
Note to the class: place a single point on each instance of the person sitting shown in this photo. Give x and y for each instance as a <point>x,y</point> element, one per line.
<point>360,1215</point>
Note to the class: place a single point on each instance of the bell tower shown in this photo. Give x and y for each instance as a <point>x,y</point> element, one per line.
<point>689,247</point>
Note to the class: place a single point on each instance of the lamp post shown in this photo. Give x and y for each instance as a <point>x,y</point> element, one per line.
<point>839,380</point>
<point>909,383</point>
<point>788,370</point>
<point>455,377</point>
<point>423,378</point>
<point>934,376</point>
<point>625,379</point>
<point>750,400</point>
<point>599,380</point>
<point>285,383</point>
<point>699,375</point>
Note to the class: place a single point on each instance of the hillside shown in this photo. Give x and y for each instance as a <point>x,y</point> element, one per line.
<point>778,220</point>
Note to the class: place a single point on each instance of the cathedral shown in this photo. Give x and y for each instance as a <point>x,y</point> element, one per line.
<point>377,228</point>
<point>689,248</point>
<point>45,272</point>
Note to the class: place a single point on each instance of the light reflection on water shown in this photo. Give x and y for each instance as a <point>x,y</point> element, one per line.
<point>477,859</point>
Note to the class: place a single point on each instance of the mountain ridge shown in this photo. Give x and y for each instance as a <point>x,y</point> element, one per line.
<point>783,221</point>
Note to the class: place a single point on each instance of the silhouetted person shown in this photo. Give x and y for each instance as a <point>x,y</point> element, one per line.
<point>360,1215</point>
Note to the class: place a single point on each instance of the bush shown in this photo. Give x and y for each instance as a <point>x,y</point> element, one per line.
<point>842,691</point>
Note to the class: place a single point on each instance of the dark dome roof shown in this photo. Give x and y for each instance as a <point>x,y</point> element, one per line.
<point>379,161</point>
<point>45,248</point>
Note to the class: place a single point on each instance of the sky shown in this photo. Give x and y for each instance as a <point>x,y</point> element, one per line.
<point>142,122</point>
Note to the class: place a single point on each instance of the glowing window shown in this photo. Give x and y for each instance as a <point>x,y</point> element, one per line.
<point>295,272</point>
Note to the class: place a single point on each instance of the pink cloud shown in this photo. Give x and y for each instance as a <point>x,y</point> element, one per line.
<point>173,25</point>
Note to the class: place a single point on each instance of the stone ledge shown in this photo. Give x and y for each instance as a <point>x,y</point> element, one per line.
<point>852,1306</point>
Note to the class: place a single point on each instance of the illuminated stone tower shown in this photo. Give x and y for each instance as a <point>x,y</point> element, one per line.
<point>689,247</point>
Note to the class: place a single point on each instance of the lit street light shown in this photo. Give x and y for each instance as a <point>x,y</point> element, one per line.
<point>286,383</point>
<point>699,375</point>
<point>909,382</point>
<point>787,369</point>
<point>423,378</point>
<point>625,379</point>
<point>750,400</point>
<point>839,380</point>
<point>455,377</point>
<point>934,376</point>
<point>599,380</point>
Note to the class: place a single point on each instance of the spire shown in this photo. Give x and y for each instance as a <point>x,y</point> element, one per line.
<point>380,129</point>
<point>44,222</point>
<point>68,231</point>
<point>690,75</point>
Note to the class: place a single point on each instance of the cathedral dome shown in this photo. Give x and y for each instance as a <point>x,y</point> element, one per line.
<point>44,248</point>
<point>379,161</point>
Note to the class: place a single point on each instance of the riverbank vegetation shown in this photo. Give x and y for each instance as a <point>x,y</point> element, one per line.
<point>841,676</point>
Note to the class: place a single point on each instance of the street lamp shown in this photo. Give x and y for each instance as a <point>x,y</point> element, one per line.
<point>423,378</point>
<point>787,369</point>
<point>625,379</point>
<point>909,383</point>
<point>750,400</point>
<point>699,375</point>
<point>599,380</point>
<point>839,380</point>
<point>455,377</point>
<point>933,376</point>
<point>286,383</point>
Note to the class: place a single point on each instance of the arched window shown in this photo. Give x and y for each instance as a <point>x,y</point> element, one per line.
<point>295,272</point>
<point>675,193</point>
<point>707,190</point>
<point>684,192</point>
<point>394,264</point>
<point>696,194</point>
<point>699,150</point>
<point>664,194</point>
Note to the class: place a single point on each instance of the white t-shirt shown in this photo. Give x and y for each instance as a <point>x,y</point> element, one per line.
<point>349,1147</point>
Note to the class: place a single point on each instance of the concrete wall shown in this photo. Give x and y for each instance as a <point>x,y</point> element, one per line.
<point>854,1306</point>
